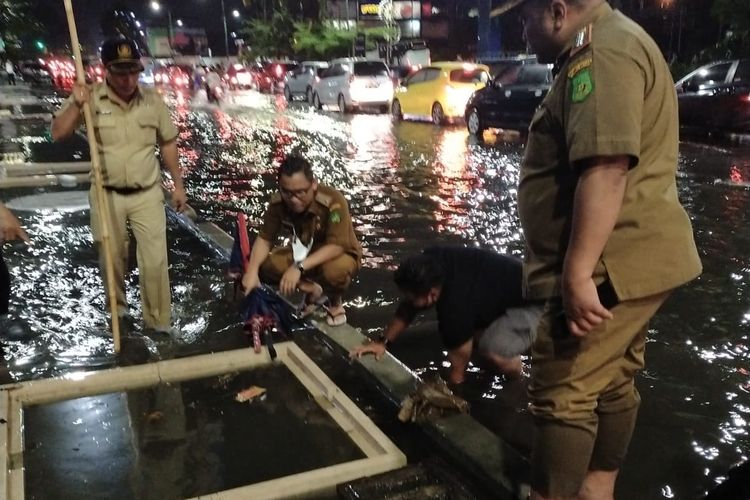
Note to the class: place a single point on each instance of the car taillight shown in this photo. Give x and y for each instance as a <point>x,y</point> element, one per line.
<point>745,98</point>
<point>279,70</point>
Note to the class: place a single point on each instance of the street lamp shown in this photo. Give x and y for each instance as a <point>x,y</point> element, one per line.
<point>156,7</point>
<point>236,14</point>
<point>226,42</point>
<point>179,23</point>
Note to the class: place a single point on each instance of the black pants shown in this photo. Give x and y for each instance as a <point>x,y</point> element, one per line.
<point>4,286</point>
<point>11,78</point>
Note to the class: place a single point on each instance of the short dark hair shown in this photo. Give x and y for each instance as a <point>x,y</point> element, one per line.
<point>418,274</point>
<point>293,164</point>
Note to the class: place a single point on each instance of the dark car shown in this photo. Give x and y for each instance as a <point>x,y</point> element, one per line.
<point>716,97</point>
<point>509,106</point>
<point>508,66</point>
<point>35,73</point>
<point>271,79</point>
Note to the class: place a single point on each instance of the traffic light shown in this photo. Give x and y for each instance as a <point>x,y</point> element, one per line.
<point>39,45</point>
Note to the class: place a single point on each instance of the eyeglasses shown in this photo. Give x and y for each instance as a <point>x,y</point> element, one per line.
<point>299,193</point>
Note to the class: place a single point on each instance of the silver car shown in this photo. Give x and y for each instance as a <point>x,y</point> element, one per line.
<point>353,84</point>
<point>300,81</point>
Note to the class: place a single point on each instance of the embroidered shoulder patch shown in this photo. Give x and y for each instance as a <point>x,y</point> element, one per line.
<point>579,66</point>
<point>334,217</point>
<point>582,85</point>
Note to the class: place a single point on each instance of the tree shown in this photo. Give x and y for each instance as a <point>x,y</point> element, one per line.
<point>735,15</point>
<point>270,39</point>
<point>319,41</point>
<point>19,27</point>
<point>323,41</point>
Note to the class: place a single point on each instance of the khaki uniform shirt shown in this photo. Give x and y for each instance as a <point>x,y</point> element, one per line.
<point>612,96</point>
<point>327,221</point>
<point>127,136</point>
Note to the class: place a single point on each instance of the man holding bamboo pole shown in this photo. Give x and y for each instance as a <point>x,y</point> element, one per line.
<point>129,122</point>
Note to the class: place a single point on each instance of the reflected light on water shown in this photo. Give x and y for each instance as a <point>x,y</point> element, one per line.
<point>411,185</point>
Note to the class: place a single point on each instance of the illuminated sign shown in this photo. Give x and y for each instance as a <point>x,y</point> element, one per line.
<point>369,9</point>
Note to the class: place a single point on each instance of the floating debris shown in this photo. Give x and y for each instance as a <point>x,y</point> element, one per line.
<point>155,417</point>
<point>249,394</point>
<point>431,400</point>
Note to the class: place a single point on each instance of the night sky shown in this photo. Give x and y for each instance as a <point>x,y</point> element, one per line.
<point>195,13</point>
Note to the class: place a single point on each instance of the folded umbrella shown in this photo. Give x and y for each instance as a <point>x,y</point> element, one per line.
<point>240,256</point>
<point>261,311</point>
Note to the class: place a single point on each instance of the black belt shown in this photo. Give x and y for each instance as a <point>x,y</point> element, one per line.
<point>126,190</point>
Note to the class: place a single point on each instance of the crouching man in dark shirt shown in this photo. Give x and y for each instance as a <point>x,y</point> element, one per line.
<point>478,297</point>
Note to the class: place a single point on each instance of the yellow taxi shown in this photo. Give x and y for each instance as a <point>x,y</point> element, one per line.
<point>439,92</point>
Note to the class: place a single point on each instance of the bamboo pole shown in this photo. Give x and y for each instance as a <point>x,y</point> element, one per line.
<point>98,183</point>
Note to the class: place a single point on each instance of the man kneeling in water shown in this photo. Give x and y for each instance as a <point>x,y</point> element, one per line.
<point>478,297</point>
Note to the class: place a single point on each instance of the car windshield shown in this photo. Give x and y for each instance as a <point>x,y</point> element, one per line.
<point>370,68</point>
<point>508,75</point>
<point>534,74</point>
<point>469,76</point>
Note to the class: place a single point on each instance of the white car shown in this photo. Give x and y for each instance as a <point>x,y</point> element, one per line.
<point>300,80</point>
<point>354,83</point>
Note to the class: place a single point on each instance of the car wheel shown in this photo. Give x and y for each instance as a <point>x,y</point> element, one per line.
<point>437,114</point>
<point>316,101</point>
<point>396,110</point>
<point>288,94</point>
<point>309,95</point>
<point>474,123</point>
<point>342,104</point>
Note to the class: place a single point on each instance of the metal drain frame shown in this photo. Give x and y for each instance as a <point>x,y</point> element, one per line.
<point>382,455</point>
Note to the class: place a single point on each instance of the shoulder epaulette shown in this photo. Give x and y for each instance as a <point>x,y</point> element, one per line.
<point>582,39</point>
<point>323,198</point>
<point>275,198</point>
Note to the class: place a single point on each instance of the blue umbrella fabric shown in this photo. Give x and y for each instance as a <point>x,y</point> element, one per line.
<point>261,309</point>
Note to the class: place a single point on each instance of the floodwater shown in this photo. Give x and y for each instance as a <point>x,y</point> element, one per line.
<point>180,440</point>
<point>411,185</point>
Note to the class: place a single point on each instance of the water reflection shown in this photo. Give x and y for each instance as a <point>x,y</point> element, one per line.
<point>411,185</point>
<point>57,292</point>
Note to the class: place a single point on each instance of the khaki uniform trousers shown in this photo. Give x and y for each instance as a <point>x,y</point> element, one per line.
<point>145,212</point>
<point>334,276</point>
<point>583,396</point>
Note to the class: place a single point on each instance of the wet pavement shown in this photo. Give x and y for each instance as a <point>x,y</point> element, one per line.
<point>411,185</point>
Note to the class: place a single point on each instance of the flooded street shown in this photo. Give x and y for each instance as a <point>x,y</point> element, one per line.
<point>411,185</point>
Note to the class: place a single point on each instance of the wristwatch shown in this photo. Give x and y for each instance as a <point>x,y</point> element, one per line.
<point>301,267</point>
<point>383,340</point>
